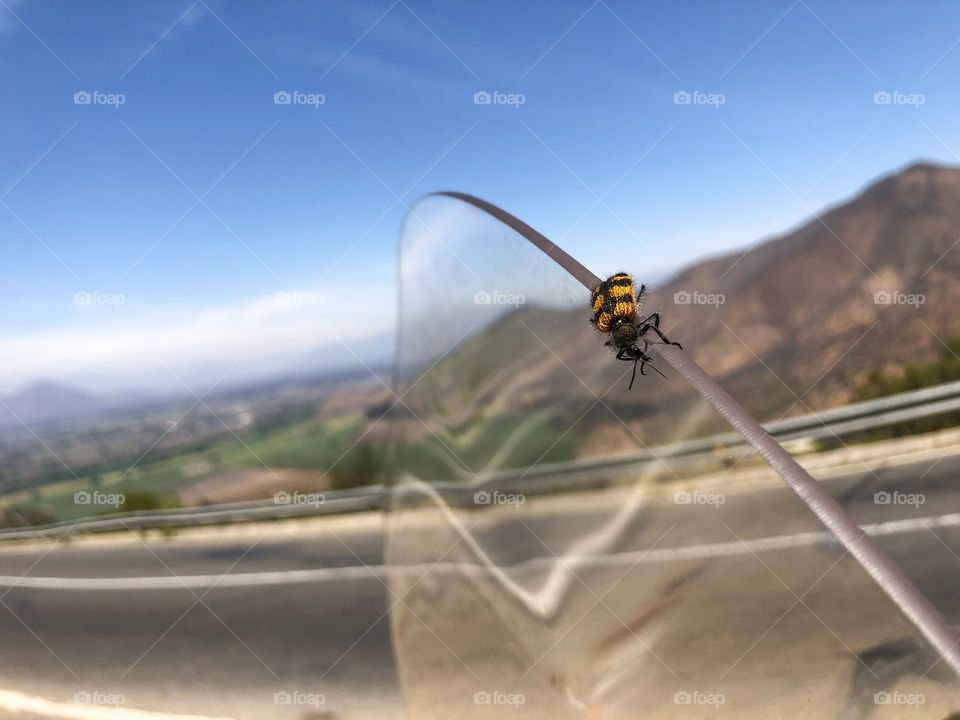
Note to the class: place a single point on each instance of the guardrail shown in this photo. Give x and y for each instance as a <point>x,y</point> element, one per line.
<point>854,417</point>
<point>333,502</point>
<point>547,478</point>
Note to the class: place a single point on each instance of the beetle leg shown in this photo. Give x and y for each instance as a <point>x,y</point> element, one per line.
<point>653,323</point>
<point>633,375</point>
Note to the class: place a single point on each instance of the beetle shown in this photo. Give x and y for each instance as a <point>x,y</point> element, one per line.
<point>615,310</point>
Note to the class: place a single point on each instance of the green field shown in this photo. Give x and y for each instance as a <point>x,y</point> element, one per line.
<point>309,445</point>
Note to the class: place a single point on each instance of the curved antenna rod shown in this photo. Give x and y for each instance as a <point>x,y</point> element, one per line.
<point>899,588</point>
<point>560,256</point>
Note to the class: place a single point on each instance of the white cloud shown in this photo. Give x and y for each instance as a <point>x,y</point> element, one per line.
<point>124,345</point>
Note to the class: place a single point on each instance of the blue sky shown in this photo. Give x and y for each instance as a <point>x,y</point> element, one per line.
<point>233,226</point>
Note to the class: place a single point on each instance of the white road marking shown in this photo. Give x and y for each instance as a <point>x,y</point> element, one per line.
<point>290,577</point>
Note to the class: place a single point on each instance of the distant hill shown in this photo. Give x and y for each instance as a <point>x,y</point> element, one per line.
<point>47,401</point>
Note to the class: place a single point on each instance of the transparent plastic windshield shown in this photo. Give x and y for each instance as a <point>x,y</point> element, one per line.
<point>554,550</point>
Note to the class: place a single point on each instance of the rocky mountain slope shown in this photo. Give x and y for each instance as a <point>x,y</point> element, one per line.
<point>870,283</point>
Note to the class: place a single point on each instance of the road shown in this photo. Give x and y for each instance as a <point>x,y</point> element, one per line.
<point>595,603</point>
<point>215,651</point>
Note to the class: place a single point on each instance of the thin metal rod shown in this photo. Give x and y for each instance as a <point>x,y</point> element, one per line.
<point>888,575</point>
<point>560,256</point>
<point>899,588</point>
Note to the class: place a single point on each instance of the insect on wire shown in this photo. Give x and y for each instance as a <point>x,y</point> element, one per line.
<point>615,309</point>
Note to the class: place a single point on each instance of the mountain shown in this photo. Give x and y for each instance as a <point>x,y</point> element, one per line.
<point>871,283</point>
<point>47,401</point>
<point>790,325</point>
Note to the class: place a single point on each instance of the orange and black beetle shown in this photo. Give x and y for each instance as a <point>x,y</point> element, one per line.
<point>615,310</point>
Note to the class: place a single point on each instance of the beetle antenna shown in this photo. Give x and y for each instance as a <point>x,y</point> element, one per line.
<point>633,376</point>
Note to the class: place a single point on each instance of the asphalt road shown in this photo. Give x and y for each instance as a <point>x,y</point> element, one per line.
<point>214,651</point>
<point>594,604</point>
